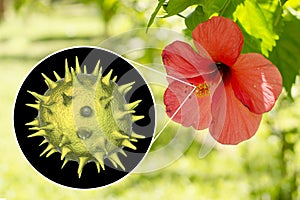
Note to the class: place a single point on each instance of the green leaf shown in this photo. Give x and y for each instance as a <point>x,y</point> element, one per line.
<point>230,7</point>
<point>251,16</point>
<point>251,44</point>
<point>203,12</point>
<point>286,53</point>
<point>272,10</point>
<point>177,6</point>
<point>151,20</point>
<point>210,7</point>
<point>195,18</point>
<point>207,8</point>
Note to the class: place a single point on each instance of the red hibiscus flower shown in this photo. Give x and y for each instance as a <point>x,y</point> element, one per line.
<point>231,90</point>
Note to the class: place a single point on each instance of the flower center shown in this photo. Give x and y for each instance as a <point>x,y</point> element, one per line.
<point>224,70</point>
<point>201,90</point>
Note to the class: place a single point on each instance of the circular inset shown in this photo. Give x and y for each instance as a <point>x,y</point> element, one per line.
<point>77,125</point>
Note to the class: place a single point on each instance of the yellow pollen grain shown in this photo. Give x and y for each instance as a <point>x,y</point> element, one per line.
<point>202,90</point>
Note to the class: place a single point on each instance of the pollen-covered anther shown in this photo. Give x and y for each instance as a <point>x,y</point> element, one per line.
<point>202,90</point>
<point>85,117</point>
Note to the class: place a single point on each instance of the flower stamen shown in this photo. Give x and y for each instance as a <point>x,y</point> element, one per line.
<point>202,90</point>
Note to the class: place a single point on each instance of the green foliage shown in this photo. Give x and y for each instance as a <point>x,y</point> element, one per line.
<point>196,17</point>
<point>151,20</point>
<point>251,44</point>
<point>174,7</point>
<point>286,53</point>
<point>207,8</point>
<point>256,25</point>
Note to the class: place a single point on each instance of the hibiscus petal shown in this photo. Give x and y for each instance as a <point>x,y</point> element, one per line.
<point>257,83</point>
<point>195,111</point>
<point>220,38</point>
<point>181,61</point>
<point>232,122</point>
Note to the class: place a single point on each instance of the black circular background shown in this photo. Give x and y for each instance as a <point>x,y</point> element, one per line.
<point>51,167</point>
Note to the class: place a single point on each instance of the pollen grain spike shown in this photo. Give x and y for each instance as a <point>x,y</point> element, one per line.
<point>51,84</point>
<point>35,128</point>
<point>56,76</point>
<point>98,166</point>
<point>65,162</point>
<point>64,152</point>
<point>119,135</point>
<point>84,69</point>
<point>35,122</point>
<point>122,114</point>
<point>132,105</point>
<point>64,140</point>
<point>39,96</point>
<point>137,136</point>
<point>43,142</point>
<point>66,99</point>
<point>122,152</point>
<point>73,74</point>
<point>82,162</point>
<point>52,151</point>
<point>100,158</point>
<point>133,140</point>
<point>137,117</point>
<point>123,89</point>
<point>106,78</point>
<point>39,133</point>
<point>67,72</point>
<point>114,157</point>
<point>77,66</point>
<point>128,144</point>
<point>48,148</point>
<point>96,69</point>
<point>36,106</point>
<point>115,79</point>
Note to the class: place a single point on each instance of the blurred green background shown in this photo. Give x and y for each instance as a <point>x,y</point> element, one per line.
<point>265,167</point>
